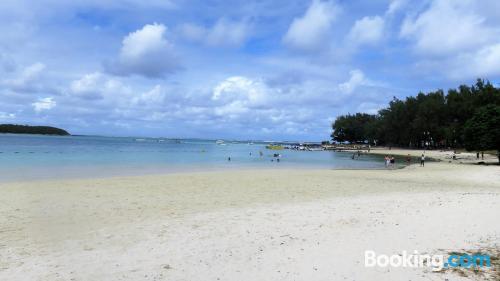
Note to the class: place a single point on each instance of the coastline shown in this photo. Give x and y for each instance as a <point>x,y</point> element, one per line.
<point>241,225</point>
<point>437,155</point>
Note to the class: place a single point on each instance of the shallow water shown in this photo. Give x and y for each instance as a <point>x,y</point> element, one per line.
<point>45,157</point>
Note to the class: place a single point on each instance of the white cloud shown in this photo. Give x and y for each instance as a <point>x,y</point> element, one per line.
<point>27,76</point>
<point>227,33</point>
<point>395,6</point>
<point>242,88</point>
<point>356,79</point>
<point>88,86</point>
<point>368,30</point>
<point>146,52</point>
<point>44,104</point>
<point>483,63</point>
<point>223,33</point>
<point>154,97</point>
<point>7,116</point>
<point>30,79</point>
<point>94,86</point>
<point>447,27</point>
<point>310,32</point>
<point>459,38</point>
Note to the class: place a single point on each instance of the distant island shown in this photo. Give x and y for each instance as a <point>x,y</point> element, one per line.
<point>25,129</point>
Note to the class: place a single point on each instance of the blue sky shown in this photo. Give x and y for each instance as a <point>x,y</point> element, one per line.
<point>269,70</point>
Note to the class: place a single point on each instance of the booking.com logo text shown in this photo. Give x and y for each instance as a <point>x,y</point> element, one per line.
<point>436,262</point>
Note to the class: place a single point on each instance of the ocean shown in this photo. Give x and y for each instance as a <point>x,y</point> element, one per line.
<point>31,157</point>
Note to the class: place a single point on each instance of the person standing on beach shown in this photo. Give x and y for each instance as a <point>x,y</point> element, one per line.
<point>422,160</point>
<point>392,161</point>
<point>408,159</point>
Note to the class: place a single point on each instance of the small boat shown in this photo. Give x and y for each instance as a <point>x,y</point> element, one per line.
<point>274,147</point>
<point>219,142</point>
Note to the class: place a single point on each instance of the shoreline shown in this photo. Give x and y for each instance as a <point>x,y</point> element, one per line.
<point>438,155</point>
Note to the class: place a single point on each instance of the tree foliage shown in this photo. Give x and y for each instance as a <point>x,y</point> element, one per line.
<point>435,119</point>
<point>482,131</point>
<point>24,129</point>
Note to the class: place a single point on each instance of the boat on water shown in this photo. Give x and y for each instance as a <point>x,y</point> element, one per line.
<point>274,147</point>
<point>220,142</point>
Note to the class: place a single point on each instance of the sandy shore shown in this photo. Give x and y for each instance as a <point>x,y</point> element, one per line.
<point>246,225</point>
<point>441,155</point>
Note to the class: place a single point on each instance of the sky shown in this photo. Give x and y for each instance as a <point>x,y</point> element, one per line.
<point>267,70</point>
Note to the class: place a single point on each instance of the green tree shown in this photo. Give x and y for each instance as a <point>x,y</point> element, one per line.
<point>482,131</point>
<point>437,118</point>
<point>355,128</point>
<point>25,129</point>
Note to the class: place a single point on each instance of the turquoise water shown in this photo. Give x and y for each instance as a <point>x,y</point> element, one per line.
<point>39,157</point>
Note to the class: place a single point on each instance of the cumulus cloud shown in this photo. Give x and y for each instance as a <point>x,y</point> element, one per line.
<point>310,32</point>
<point>368,30</point>
<point>26,79</point>
<point>99,86</point>
<point>483,63</point>
<point>459,37</point>
<point>238,87</point>
<point>30,79</point>
<point>154,97</point>
<point>223,33</point>
<point>7,116</point>
<point>448,26</point>
<point>89,86</point>
<point>146,52</point>
<point>44,104</point>
<point>238,94</point>
<point>356,79</point>
<point>395,6</point>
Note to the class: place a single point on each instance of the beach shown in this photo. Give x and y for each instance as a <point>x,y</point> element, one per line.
<point>461,157</point>
<point>246,225</point>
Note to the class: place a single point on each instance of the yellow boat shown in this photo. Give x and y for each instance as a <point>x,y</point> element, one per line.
<point>274,147</point>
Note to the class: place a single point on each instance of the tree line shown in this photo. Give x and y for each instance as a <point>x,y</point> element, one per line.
<point>25,129</point>
<point>466,117</point>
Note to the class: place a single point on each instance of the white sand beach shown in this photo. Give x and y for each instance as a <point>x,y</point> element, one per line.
<point>247,225</point>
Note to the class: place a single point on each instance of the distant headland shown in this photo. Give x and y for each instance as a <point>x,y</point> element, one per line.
<point>26,129</point>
